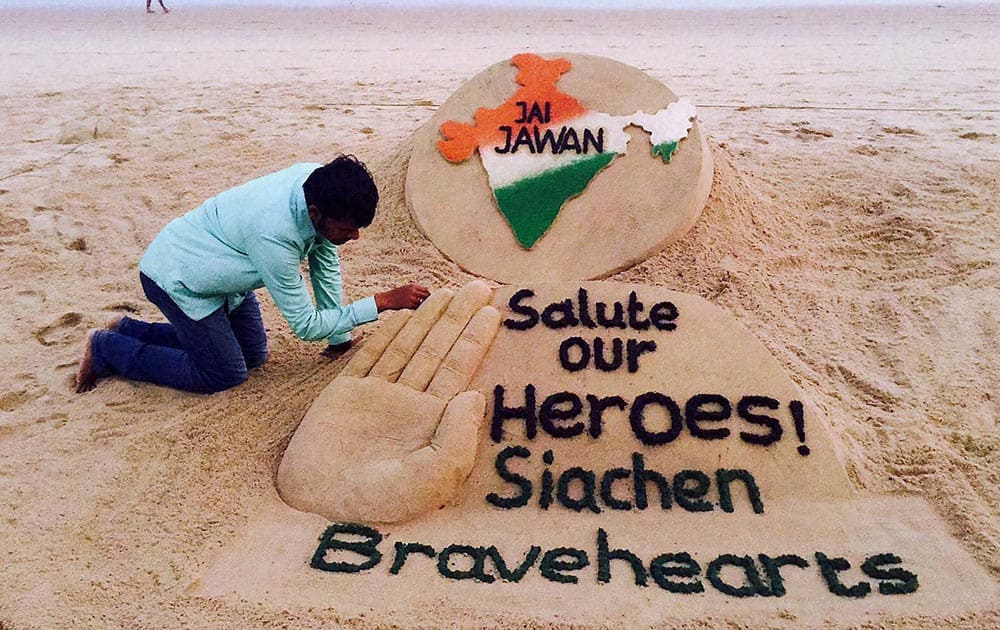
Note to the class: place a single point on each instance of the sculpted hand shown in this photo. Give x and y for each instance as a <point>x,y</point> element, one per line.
<point>395,435</point>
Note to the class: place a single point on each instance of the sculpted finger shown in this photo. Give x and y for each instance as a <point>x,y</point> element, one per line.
<point>457,436</point>
<point>371,351</point>
<point>398,353</point>
<point>395,490</point>
<point>466,354</point>
<point>424,364</point>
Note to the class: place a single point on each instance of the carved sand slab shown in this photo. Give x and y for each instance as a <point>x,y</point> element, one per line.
<point>618,373</point>
<point>542,160</point>
<point>641,458</point>
<point>269,562</point>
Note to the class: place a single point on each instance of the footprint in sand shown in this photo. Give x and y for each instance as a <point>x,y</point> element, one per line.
<point>865,149</point>
<point>12,226</point>
<point>117,307</point>
<point>124,230</point>
<point>804,131</point>
<point>11,400</point>
<point>58,222</point>
<point>23,389</point>
<point>901,131</point>
<point>975,135</point>
<point>61,331</point>
<point>27,299</point>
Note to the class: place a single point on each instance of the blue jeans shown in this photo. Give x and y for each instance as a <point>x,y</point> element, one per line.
<point>204,356</point>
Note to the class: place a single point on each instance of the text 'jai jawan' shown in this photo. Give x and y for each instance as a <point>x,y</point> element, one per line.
<point>531,137</point>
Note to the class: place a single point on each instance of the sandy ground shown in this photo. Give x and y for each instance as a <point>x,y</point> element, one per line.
<point>853,227</point>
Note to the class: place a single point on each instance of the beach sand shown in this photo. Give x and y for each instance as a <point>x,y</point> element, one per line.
<point>852,227</point>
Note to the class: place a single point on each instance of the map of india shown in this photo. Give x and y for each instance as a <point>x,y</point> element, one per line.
<point>542,147</point>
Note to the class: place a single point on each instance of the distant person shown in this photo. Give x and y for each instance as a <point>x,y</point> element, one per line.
<point>202,269</point>
<point>163,6</point>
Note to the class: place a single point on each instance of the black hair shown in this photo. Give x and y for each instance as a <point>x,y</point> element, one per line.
<point>343,190</point>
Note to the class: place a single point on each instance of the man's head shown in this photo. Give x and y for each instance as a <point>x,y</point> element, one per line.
<point>341,197</point>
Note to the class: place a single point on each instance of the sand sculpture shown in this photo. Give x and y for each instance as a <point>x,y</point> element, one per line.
<point>542,147</point>
<point>395,434</point>
<point>635,380</point>
<point>591,451</point>
<point>568,162</point>
<point>639,456</point>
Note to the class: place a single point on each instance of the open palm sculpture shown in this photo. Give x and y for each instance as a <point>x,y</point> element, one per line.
<point>395,434</point>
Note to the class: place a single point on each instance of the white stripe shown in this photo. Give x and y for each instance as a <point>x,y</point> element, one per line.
<point>667,125</point>
<point>507,168</point>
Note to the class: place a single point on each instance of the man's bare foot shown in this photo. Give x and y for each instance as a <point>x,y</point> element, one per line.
<point>150,11</point>
<point>86,378</point>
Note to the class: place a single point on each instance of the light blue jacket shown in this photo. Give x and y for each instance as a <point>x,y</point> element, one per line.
<point>254,236</point>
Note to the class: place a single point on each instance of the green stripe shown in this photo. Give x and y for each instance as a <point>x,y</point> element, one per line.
<point>665,150</point>
<point>531,204</point>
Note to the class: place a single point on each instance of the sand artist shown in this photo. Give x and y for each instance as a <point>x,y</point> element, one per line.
<point>202,269</point>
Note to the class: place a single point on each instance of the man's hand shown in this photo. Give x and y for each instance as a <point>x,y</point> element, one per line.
<point>408,296</point>
<point>395,434</point>
<point>333,351</point>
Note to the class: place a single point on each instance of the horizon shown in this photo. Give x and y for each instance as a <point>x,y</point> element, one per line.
<point>513,4</point>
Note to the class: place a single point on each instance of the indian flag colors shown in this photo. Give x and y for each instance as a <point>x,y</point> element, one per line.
<point>541,147</point>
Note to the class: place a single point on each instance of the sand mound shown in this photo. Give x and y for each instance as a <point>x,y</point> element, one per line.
<point>554,214</point>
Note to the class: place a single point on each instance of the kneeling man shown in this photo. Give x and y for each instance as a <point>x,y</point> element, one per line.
<point>202,269</point>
